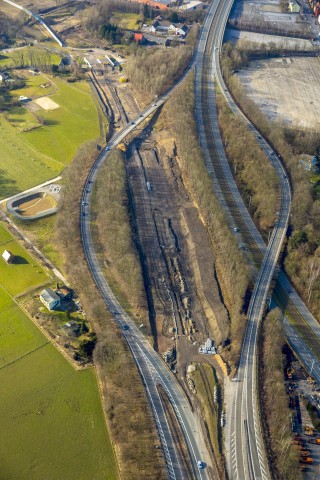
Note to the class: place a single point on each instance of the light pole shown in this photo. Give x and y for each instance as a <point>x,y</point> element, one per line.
<point>311,367</point>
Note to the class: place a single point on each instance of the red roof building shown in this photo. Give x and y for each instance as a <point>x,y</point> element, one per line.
<point>138,37</point>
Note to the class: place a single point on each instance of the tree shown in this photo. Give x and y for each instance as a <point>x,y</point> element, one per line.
<point>86,347</point>
<point>313,271</point>
<point>299,237</point>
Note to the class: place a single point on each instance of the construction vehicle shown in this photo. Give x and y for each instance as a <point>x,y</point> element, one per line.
<point>297,440</point>
<point>305,453</point>
<point>122,147</point>
<point>308,430</point>
<point>290,372</point>
<point>315,441</point>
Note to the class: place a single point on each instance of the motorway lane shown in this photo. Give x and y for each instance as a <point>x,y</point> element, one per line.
<point>249,460</point>
<point>292,297</point>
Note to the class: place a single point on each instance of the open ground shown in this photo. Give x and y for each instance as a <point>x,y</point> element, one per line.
<point>286,89</point>
<point>52,414</point>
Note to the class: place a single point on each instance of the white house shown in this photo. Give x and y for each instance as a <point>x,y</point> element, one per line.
<point>181,30</point>
<point>192,5</point>
<point>50,299</point>
<point>8,257</point>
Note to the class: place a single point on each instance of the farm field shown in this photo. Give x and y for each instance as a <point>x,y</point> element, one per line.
<point>125,20</point>
<point>30,158</point>
<point>21,166</point>
<point>13,58</point>
<point>23,275</point>
<point>53,425</point>
<point>41,234</point>
<point>66,128</point>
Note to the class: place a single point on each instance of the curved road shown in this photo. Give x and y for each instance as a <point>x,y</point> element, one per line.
<point>151,366</point>
<point>248,461</point>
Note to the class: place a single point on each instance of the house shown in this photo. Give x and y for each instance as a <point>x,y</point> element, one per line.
<point>64,293</point>
<point>50,299</point>
<point>8,257</point>
<point>192,5</point>
<point>294,7</point>
<point>160,27</point>
<point>309,163</point>
<point>23,99</point>
<point>181,30</point>
<point>138,37</point>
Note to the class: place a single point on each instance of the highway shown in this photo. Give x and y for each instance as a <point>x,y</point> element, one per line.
<point>152,368</point>
<point>247,459</point>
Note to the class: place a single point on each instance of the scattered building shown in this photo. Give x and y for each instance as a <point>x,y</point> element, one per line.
<point>138,37</point>
<point>23,99</point>
<point>309,163</point>
<point>159,4</point>
<point>181,30</point>
<point>192,5</point>
<point>294,6</point>
<point>207,348</point>
<point>8,257</point>
<point>64,293</point>
<point>168,28</point>
<point>50,299</point>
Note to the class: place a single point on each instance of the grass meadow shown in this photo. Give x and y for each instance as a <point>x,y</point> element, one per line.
<point>52,420</point>
<point>28,158</point>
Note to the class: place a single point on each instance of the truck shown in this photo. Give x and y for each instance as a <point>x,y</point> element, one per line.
<point>308,431</point>
<point>307,460</point>
<point>315,441</point>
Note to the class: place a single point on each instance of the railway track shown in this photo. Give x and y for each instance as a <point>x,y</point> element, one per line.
<point>177,435</point>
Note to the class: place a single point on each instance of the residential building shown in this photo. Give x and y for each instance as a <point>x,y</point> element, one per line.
<point>192,5</point>
<point>50,299</point>
<point>138,37</point>
<point>309,163</point>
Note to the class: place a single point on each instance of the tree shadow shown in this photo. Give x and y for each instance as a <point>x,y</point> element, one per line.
<point>50,122</point>
<point>8,186</point>
<point>18,260</point>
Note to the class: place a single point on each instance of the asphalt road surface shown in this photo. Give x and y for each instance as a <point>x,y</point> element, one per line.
<point>151,366</point>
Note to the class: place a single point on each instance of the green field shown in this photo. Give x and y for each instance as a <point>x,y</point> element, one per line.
<point>125,20</point>
<point>66,128</point>
<point>23,275</point>
<point>21,166</point>
<point>52,421</point>
<point>30,158</point>
<point>13,58</point>
<point>205,380</point>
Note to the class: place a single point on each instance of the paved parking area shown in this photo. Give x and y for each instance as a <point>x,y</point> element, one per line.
<point>286,89</point>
